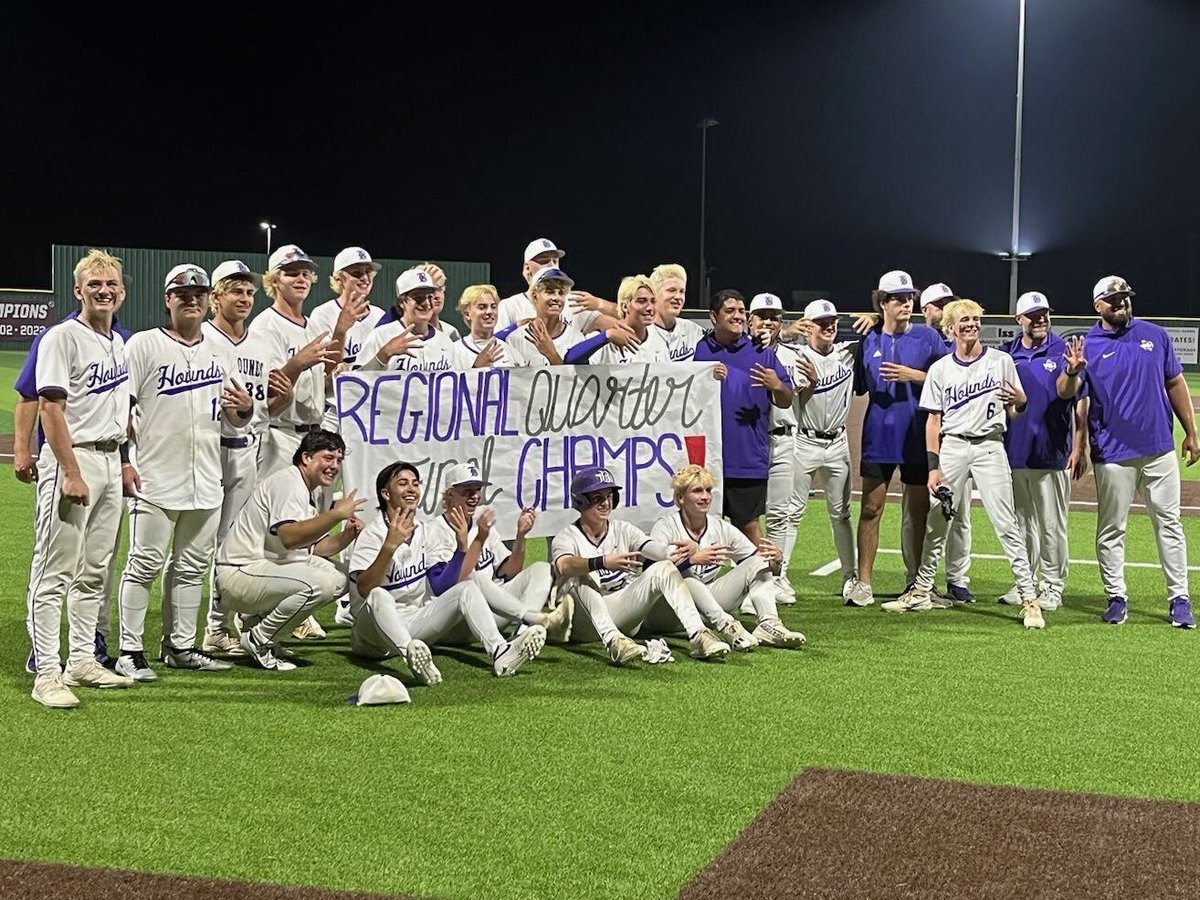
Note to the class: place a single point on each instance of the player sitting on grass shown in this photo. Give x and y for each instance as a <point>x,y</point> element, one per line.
<point>600,561</point>
<point>403,599</point>
<point>710,541</point>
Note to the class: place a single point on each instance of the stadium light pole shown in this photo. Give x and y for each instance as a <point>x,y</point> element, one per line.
<point>268,228</point>
<point>1014,255</point>
<point>706,123</point>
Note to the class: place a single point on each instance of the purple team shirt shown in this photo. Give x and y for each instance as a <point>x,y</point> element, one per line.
<point>894,428</point>
<point>1041,437</point>
<point>745,409</point>
<point>1129,414</point>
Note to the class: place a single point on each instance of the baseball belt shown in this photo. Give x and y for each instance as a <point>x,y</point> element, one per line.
<point>100,446</point>
<point>822,435</point>
<point>781,431</point>
<point>298,429</point>
<point>235,443</point>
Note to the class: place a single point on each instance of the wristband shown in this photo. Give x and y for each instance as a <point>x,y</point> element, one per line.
<point>1021,408</point>
<point>932,460</point>
<point>595,563</point>
<point>123,452</point>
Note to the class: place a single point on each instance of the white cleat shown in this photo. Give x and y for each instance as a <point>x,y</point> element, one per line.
<point>90,673</point>
<point>524,647</point>
<point>50,691</point>
<point>263,653</point>
<point>558,621</point>
<point>342,615</point>
<point>915,599</point>
<point>859,594</point>
<point>190,658</point>
<point>221,642</point>
<point>420,663</point>
<point>624,650</point>
<point>737,636</point>
<point>134,665</point>
<point>706,645</point>
<point>773,633</point>
<point>785,594</point>
<point>1049,601</point>
<point>1012,597</point>
<point>1031,614</point>
<point>309,630</point>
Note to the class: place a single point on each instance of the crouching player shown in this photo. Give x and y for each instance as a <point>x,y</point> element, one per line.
<point>404,599</point>
<point>598,560</point>
<point>710,542</point>
<point>271,567</point>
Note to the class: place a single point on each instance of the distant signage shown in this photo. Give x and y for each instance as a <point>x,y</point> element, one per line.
<point>1185,341</point>
<point>25,314</point>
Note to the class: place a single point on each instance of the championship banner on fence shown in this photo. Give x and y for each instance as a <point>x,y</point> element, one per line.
<point>530,429</point>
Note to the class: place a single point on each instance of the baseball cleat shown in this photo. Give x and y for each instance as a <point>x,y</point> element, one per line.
<point>847,584</point>
<point>342,615</point>
<point>959,593</point>
<point>132,664</point>
<point>623,650</point>
<point>1031,614</point>
<point>706,645</point>
<point>558,621</point>
<point>1117,612</point>
<point>191,658</point>
<point>914,599</point>
<point>221,642</point>
<point>785,594</point>
<point>263,653</point>
<point>1049,600</point>
<point>524,647</point>
<point>737,636</point>
<point>90,673</point>
<point>309,630</point>
<point>859,594</point>
<point>773,633</point>
<point>940,600</point>
<point>50,691</point>
<point>420,663</point>
<point>1181,613</point>
<point>1011,597</point>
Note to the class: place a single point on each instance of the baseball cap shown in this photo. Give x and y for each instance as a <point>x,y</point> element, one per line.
<point>1109,285</point>
<point>186,275</point>
<point>896,282</point>
<point>465,473</point>
<point>414,280</point>
<point>1032,301</point>
<point>766,303</point>
<point>353,256</point>
<point>538,246</point>
<point>286,255</point>
<point>379,690</point>
<point>820,309</point>
<point>936,293</point>
<point>552,272</point>
<point>232,267</point>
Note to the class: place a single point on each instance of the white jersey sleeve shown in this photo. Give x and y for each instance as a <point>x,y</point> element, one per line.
<point>91,370</point>
<point>279,498</point>
<point>966,393</point>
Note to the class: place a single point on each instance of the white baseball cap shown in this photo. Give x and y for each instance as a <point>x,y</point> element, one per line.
<point>538,246</point>
<point>936,293</point>
<point>186,275</point>
<point>766,303</point>
<point>465,473</point>
<point>232,267</point>
<point>414,279</point>
<point>1032,301</point>
<point>552,272</point>
<point>286,255</point>
<point>820,309</point>
<point>379,690</point>
<point>1109,285</point>
<point>896,282</point>
<point>352,256</point>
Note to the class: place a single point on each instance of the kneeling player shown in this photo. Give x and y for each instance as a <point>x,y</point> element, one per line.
<point>599,560</point>
<point>710,541</point>
<point>403,599</point>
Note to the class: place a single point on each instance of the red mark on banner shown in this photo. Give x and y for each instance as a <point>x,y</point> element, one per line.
<point>695,444</point>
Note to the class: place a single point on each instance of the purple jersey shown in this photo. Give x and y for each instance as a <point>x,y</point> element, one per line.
<point>745,409</point>
<point>894,428</point>
<point>1129,414</point>
<point>1040,438</point>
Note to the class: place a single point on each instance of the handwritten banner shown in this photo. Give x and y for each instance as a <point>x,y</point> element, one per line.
<point>531,429</point>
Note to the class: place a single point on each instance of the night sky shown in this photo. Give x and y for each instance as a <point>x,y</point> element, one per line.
<point>854,137</point>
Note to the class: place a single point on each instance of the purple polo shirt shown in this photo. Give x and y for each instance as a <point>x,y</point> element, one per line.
<point>1129,414</point>
<point>1040,438</point>
<point>745,409</point>
<point>894,428</point>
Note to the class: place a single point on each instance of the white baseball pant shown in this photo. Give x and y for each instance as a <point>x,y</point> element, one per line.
<point>1156,478</point>
<point>958,539</point>
<point>1041,498</point>
<point>830,458</point>
<point>781,518</point>
<point>510,601</point>
<point>986,462</point>
<point>191,536</point>
<point>717,601</point>
<point>382,629</point>
<point>239,476</point>
<point>77,546</point>
<point>280,595</point>
<point>625,610</point>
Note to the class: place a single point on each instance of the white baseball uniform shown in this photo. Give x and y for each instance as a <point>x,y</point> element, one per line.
<point>465,351</point>
<point>618,602</point>
<point>524,353</point>
<point>324,318</point>
<point>436,352</point>
<point>781,443</point>
<point>681,338</point>
<point>652,349</point>
<point>177,389</point>
<point>519,306</point>
<point>77,540</point>
<point>973,424</point>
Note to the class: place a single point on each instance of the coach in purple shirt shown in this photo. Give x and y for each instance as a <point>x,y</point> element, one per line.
<point>1132,383</point>
<point>752,380</point>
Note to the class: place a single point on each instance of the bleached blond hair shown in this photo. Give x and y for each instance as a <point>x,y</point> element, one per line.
<point>473,293</point>
<point>690,476</point>
<point>667,270</point>
<point>955,310</point>
<point>95,261</point>
<point>628,290</point>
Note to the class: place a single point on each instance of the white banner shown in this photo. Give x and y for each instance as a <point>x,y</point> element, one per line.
<point>530,429</point>
<point>1184,340</point>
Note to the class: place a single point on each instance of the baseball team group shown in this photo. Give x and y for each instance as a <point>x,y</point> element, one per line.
<point>217,434</point>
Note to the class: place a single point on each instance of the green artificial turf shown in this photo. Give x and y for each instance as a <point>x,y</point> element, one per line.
<point>575,779</point>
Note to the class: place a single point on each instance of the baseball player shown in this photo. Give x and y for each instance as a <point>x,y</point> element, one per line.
<point>435,272</point>
<point>969,396</point>
<point>516,593</point>
<point>272,566</point>
<point>403,600</point>
<point>519,309</point>
<point>183,392</point>
<point>1132,384</point>
<point>681,335</point>
<point>710,542</point>
<point>635,310</point>
<point>405,340</point>
<point>1040,442</point>
<point>480,348</point>
<point>82,386</point>
<point>598,561</point>
<point>890,366</point>
<point>545,340</point>
<point>823,394</point>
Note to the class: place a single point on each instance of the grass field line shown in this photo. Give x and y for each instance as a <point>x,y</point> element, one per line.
<point>835,566</point>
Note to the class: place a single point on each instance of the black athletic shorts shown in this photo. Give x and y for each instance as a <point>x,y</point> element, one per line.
<point>744,500</point>
<point>910,473</point>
